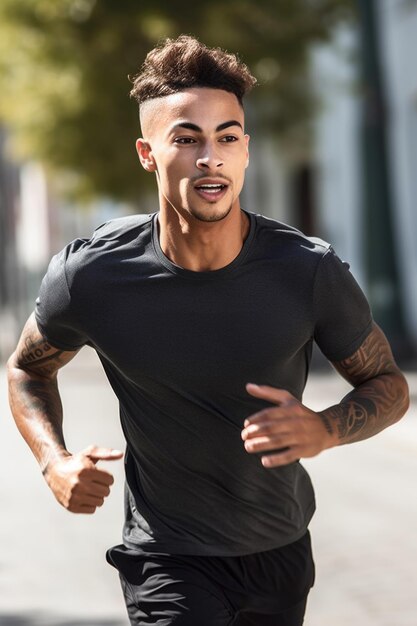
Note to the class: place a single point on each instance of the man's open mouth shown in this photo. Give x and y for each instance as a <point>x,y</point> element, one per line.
<point>211,188</point>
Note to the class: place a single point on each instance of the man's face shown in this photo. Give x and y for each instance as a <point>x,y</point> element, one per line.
<point>195,142</point>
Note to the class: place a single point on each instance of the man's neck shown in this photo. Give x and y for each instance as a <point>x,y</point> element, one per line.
<point>202,246</point>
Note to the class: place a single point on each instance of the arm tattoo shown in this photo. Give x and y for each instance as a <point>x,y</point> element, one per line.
<point>353,417</point>
<point>380,396</point>
<point>374,357</point>
<point>326,423</point>
<point>38,356</point>
<point>34,395</point>
<point>41,396</point>
<point>35,354</point>
<point>36,406</point>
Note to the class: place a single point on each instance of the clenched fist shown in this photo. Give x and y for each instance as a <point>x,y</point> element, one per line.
<point>77,483</point>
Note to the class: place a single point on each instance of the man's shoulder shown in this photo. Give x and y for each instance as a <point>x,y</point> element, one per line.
<point>288,237</point>
<point>120,226</point>
<point>122,237</point>
<point>111,235</point>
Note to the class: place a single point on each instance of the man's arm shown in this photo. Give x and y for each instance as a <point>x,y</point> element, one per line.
<point>36,407</point>
<point>380,397</point>
<point>291,431</point>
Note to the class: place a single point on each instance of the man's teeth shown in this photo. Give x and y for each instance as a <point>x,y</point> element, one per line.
<point>211,188</point>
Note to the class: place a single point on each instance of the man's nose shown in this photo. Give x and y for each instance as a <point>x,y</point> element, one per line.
<point>209,159</point>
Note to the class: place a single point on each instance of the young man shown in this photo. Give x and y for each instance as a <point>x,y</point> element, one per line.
<point>203,316</point>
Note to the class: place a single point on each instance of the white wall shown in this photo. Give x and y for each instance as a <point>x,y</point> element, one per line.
<point>398,21</point>
<point>266,181</point>
<point>336,150</point>
<point>33,232</point>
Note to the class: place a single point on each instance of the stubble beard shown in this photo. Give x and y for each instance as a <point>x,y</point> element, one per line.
<point>200,214</point>
<point>203,216</point>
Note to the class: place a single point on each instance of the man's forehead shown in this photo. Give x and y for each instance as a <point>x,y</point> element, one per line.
<point>197,105</point>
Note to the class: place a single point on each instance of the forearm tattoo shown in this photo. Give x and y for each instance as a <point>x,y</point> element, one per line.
<point>380,396</point>
<point>41,362</point>
<point>326,423</point>
<point>42,397</point>
<point>34,396</point>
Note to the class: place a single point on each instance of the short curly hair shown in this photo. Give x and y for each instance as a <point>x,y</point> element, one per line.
<point>184,63</point>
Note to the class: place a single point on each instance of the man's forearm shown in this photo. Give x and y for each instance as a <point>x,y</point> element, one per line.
<point>36,407</point>
<point>290,431</point>
<point>368,409</point>
<point>33,392</point>
<point>76,482</point>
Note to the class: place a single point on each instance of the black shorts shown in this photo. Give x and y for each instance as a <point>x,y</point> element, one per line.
<point>263,589</point>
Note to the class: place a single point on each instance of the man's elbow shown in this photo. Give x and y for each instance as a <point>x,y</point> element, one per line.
<point>11,366</point>
<point>14,371</point>
<point>402,392</point>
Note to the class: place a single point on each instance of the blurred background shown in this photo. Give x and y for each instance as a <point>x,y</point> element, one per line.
<point>333,125</point>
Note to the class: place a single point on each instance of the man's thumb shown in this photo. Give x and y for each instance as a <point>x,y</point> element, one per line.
<point>97,453</point>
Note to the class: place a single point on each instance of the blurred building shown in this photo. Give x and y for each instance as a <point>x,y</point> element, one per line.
<point>11,276</point>
<point>317,186</point>
<point>322,188</point>
<point>34,224</point>
<point>341,176</point>
<point>27,219</point>
<point>399,52</point>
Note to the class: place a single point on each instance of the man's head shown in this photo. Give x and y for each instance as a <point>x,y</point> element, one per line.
<point>190,102</point>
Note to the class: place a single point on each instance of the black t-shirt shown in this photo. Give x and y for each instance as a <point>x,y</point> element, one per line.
<point>178,348</point>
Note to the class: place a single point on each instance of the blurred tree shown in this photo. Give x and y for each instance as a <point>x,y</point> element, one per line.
<point>64,67</point>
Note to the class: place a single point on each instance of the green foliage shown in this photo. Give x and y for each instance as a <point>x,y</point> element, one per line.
<point>64,67</point>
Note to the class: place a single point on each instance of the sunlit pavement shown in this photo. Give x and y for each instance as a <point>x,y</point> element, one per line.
<point>364,531</point>
<point>52,566</point>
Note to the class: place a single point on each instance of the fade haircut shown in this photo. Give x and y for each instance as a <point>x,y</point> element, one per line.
<point>184,63</point>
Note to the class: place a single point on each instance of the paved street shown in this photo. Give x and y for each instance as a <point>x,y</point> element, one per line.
<point>52,567</point>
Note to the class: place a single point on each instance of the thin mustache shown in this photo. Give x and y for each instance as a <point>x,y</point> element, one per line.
<point>195,180</point>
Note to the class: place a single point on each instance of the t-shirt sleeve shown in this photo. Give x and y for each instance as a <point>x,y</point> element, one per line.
<point>55,309</point>
<point>343,317</point>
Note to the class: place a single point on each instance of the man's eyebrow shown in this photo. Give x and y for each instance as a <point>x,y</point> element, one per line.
<point>197,129</point>
<point>227,124</point>
<point>188,126</point>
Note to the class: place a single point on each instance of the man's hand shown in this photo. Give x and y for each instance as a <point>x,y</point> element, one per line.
<point>77,483</point>
<point>291,431</point>
<point>286,432</point>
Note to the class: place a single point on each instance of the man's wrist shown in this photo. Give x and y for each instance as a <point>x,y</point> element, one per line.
<point>332,439</point>
<point>52,459</point>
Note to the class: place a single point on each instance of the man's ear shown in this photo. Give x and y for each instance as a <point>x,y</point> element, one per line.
<point>247,137</point>
<point>144,150</point>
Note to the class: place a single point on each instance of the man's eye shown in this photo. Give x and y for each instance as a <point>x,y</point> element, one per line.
<point>183,140</point>
<point>228,139</point>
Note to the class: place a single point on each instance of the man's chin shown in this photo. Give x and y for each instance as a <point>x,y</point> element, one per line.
<point>210,214</point>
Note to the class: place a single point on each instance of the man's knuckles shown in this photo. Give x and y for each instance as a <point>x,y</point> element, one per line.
<point>78,503</point>
<point>256,429</point>
<point>294,408</point>
<point>80,508</point>
<point>274,422</point>
<point>262,444</point>
<point>101,491</point>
